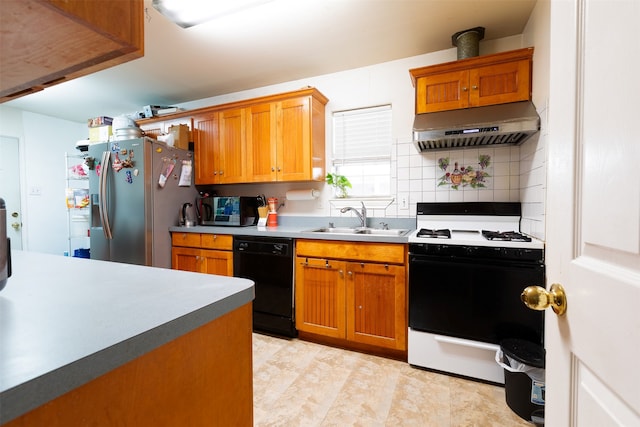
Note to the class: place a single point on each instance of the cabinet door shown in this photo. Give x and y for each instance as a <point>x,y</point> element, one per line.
<point>320,296</point>
<point>294,140</point>
<point>261,143</point>
<point>186,259</point>
<point>440,92</point>
<point>376,305</point>
<point>205,149</point>
<point>500,83</point>
<point>217,262</point>
<point>231,146</point>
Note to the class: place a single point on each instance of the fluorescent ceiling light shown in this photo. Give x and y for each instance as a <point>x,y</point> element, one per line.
<point>188,13</point>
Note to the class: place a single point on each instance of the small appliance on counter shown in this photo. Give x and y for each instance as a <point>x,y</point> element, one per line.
<point>232,211</point>
<point>204,209</point>
<point>272,218</point>
<point>187,216</point>
<point>5,247</point>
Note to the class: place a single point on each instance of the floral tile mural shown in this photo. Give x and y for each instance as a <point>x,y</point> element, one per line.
<point>461,176</point>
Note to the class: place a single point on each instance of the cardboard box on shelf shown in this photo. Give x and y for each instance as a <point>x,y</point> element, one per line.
<point>99,121</point>
<point>181,136</point>
<point>100,133</point>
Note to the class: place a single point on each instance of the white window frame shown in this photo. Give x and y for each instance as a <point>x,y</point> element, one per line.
<point>362,144</point>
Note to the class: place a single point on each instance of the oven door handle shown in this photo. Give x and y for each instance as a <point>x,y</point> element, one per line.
<point>466,343</point>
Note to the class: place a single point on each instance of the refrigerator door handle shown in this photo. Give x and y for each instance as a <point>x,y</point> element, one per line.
<point>102,194</point>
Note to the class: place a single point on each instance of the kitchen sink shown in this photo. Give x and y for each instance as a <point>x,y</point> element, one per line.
<point>383,232</point>
<point>361,230</point>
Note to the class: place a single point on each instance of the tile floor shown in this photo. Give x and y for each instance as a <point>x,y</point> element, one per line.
<point>298,383</point>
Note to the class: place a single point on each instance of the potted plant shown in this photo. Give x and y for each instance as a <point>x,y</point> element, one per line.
<point>340,183</point>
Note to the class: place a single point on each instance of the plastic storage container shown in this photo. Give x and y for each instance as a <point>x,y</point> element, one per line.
<point>524,385</point>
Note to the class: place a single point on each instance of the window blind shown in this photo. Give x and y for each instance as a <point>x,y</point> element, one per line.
<point>361,135</point>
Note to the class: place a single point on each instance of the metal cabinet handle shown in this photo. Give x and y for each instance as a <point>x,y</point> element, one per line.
<point>464,89</point>
<point>475,87</point>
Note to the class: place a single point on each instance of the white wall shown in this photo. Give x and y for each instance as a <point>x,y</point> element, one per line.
<point>533,153</point>
<point>43,142</point>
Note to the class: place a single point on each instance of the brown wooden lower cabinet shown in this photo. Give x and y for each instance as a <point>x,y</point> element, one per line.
<point>202,253</point>
<point>203,378</point>
<point>360,300</point>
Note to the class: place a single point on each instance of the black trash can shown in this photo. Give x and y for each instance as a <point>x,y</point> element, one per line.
<point>524,378</point>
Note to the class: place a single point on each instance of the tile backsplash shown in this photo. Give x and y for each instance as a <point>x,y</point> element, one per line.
<point>422,177</point>
<point>502,174</point>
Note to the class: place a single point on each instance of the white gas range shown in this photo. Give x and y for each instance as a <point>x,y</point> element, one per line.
<point>492,224</point>
<point>468,264</point>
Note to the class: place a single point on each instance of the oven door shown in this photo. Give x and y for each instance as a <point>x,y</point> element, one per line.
<point>474,299</point>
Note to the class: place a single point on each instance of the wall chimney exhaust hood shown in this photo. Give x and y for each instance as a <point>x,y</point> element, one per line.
<point>503,124</point>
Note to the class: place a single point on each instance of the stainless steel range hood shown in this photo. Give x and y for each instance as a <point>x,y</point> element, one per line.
<point>511,123</point>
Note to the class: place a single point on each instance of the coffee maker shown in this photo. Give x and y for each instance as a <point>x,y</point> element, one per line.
<point>5,247</point>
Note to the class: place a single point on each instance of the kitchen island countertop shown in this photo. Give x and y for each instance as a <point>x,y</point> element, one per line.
<point>66,321</point>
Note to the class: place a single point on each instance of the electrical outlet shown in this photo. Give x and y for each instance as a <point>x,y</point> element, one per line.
<point>404,203</point>
<point>35,191</point>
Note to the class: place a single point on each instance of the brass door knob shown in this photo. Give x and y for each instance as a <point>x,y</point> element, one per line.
<point>538,298</point>
<point>15,225</point>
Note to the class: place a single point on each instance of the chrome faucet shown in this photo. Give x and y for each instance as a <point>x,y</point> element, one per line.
<point>362,216</point>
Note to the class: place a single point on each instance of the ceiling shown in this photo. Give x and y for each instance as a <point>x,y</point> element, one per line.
<point>279,41</point>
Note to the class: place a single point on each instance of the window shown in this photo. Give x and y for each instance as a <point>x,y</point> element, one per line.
<point>362,149</point>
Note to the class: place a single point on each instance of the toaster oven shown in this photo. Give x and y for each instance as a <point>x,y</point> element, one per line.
<point>232,211</point>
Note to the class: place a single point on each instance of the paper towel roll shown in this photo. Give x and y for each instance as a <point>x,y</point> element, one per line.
<point>309,194</point>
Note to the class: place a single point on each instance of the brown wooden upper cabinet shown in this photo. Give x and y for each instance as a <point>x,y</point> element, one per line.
<point>285,140</point>
<point>219,147</point>
<point>269,139</point>
<point>275,138</point>
<point>473,82</point>
<point>48,42</point>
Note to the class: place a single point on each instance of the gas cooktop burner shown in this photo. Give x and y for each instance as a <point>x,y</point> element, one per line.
<point>440,234</point>
<point>510,236</point>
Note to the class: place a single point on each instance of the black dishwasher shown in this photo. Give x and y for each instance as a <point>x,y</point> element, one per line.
<point>268,261</point>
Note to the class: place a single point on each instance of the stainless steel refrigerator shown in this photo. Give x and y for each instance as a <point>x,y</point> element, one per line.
<point>135,196</point>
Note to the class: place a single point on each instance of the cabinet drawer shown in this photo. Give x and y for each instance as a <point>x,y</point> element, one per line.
<point>391,253</point>
<point>216,241</point>
<point>186,239</point>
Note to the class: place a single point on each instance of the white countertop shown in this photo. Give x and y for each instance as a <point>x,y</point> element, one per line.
<point>65,321</point>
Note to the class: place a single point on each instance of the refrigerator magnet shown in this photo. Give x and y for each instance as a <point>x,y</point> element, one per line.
<point>117,163</point>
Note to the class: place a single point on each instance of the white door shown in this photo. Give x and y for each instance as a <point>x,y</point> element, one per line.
<point>10,187</point>
<point>593,214</point>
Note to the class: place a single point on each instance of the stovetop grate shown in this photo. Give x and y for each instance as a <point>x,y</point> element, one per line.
<point>440,234</point>
<point>508,236</point>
